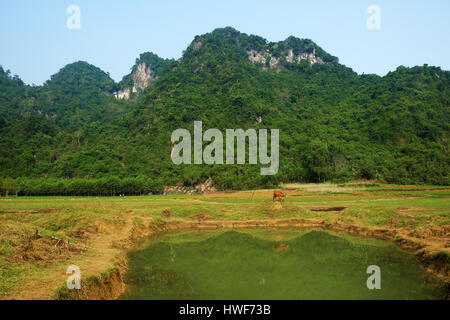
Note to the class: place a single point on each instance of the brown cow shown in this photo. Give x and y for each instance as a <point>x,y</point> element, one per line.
<point>278,194</point>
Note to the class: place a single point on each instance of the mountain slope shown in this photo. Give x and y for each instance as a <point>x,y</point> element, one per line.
<point>334,124</point>
<point>12,93</point>
<point>79,93</point>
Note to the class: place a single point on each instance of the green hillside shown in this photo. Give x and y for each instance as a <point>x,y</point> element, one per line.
<point>334,124</point>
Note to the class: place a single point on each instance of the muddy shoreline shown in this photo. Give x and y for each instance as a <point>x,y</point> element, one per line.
<point>110,285</point>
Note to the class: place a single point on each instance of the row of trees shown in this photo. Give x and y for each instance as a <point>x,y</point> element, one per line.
<point>9,186</point>
<point>107,186</point>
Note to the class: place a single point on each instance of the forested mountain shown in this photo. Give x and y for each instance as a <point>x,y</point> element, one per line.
<point>334,124</point>
<point>12,92</point>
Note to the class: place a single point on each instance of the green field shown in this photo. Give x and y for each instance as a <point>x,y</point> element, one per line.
<point>96,227</point>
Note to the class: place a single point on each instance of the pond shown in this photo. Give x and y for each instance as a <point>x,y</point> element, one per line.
<point>273,264</point>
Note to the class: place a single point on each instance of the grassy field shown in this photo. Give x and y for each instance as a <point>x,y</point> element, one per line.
<point>41,236</point>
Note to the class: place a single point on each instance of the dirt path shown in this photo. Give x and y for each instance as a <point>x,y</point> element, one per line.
<point>93,262</point>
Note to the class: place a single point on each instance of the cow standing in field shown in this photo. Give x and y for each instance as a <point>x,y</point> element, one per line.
<point>278,194</point>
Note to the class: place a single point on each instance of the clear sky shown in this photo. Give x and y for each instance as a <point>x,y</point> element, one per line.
<point>35,41</point>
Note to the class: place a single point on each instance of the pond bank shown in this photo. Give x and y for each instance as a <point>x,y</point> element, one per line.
<point>110,284</point>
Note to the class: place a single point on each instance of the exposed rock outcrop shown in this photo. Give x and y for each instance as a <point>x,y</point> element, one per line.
<point>146,69</point>
<point>123,94</point>
<point>179,188</point>
<point>141,77</point>
<point>269,61</point>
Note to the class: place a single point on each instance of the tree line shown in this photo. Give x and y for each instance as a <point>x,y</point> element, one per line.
<point>107,186</point>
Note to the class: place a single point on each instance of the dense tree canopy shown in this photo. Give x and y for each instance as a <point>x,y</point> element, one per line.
<point>334,124</point>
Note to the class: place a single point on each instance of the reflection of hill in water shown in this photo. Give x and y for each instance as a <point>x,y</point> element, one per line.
<point>235,265</point>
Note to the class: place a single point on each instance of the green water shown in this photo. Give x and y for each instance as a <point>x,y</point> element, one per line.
<point>245,265</point>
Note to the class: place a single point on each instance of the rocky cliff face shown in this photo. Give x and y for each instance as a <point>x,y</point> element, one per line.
<point>123,94</point>
<point>146,69</point>
<point>269,61</point>
<point>141,77</point>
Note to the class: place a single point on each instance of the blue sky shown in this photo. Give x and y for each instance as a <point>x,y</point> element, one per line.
<point>36,43</point>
